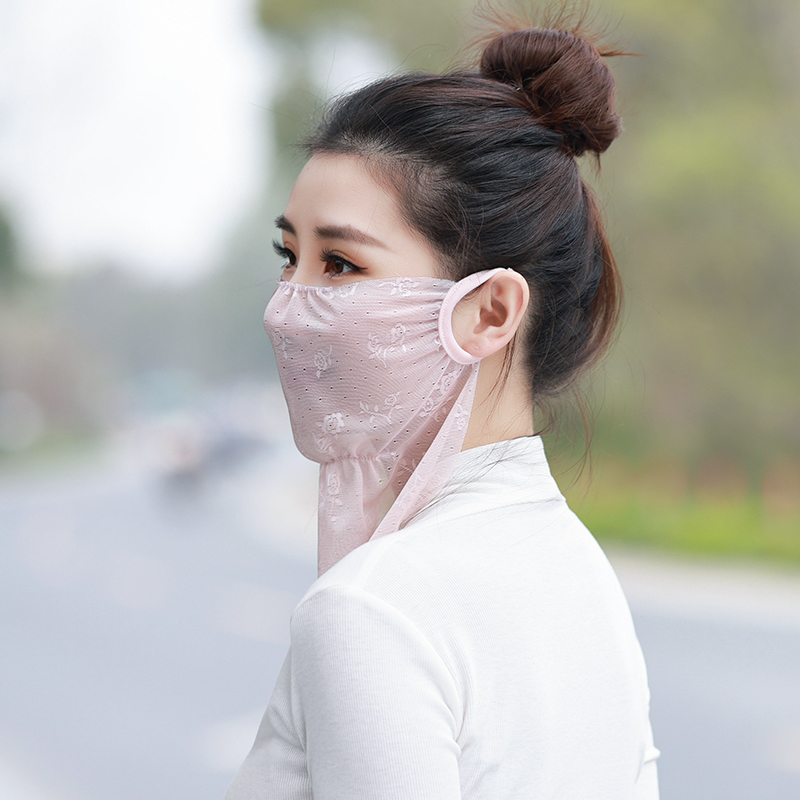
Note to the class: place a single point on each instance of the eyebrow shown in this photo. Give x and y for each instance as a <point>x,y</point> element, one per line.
<point>345,232</point>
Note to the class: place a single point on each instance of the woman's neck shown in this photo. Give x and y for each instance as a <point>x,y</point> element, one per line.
<point>502,408</point>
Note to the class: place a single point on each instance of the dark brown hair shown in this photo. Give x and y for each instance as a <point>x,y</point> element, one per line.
<point>483,163</point>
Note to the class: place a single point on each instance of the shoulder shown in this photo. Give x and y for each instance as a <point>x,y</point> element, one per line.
<point>389,594</point>
<point>365,581</point>
<point>350,640</point>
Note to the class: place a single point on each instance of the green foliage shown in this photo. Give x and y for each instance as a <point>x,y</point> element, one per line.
<point>704,199</point>
<point>738,525</point>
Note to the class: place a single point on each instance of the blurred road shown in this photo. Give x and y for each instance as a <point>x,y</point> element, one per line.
<point>143,622</point>
<point>722,645</point>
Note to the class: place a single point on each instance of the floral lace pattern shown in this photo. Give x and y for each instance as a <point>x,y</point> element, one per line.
<point>322,360</point>
<point>384,348</point>
<point>404,287</point>
<point>441,390</point>
<point>280,342</point>
<point>374,412</point>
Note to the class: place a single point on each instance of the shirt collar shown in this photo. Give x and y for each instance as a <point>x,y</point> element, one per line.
<point>495,476</point>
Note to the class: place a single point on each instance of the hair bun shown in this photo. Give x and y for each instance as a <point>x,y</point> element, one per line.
<point>564,78</point>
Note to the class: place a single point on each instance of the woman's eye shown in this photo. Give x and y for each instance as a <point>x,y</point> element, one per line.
<point>336,265</point>
<point>285,253</point>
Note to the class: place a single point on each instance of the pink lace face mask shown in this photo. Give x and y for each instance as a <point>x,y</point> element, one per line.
<point>379,393</point>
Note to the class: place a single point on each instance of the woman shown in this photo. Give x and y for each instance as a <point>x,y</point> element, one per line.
<point>447,271</point>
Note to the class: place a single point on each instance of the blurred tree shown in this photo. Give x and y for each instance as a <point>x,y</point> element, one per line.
<point>705,197</point>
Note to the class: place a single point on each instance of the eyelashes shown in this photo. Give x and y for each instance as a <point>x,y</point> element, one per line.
<point>340,266</point>
<point>284,252</point>
<point>334,264</point>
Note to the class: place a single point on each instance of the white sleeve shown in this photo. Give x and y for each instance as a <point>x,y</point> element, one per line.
<point>647,785</point>
<point>378,707</point>
<point>275,768</point>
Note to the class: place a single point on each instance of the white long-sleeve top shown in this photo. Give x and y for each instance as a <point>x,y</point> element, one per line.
<point>484,652</point>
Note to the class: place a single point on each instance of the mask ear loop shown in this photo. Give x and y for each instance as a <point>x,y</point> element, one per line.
<point>455,294</point>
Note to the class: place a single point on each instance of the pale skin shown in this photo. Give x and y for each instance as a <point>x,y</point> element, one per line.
<point>342,226</point>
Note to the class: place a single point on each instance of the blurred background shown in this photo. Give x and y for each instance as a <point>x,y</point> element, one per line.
<point>156,526</point>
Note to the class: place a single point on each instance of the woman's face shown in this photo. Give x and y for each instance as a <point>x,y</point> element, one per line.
<point>341,226</point>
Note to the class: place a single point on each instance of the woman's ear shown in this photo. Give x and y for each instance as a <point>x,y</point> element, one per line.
<point>486,320</point>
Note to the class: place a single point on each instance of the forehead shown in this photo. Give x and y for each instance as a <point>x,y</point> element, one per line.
<point>340,190</point>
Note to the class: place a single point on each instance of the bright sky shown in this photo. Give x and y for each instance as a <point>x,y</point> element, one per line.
<point>131,131</point>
